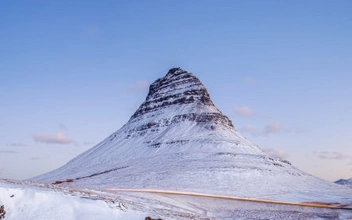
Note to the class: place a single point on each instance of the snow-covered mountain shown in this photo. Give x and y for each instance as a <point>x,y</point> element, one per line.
<point>178,140</point>
<point>346,182</point>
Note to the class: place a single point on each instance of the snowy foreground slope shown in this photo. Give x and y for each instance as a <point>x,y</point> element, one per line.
<point>25,202</point>
<point>33,201</point>
<point>178,140</point>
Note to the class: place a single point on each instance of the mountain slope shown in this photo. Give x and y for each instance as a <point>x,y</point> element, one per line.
<point>178,140</point>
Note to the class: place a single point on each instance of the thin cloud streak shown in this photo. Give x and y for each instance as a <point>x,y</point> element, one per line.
<point>244,111</point>
<point>36,158</point>
<point>59,138</point>
<point>16,145</point>
<point>138,86</point>
<point>93,30</point>
<point>8,152</point>
<point>272,128</point>
<point>249,129</point>
<point>248,80</point>
<point>62,127</point>
<point>332,155</point>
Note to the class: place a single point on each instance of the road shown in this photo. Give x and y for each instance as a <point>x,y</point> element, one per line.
<point>170,192</point>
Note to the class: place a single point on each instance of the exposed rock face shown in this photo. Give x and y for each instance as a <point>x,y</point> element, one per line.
<point>178,89</point>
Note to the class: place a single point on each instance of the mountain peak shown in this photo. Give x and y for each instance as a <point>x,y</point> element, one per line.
<point>175,71</point>
<point>180,89</point>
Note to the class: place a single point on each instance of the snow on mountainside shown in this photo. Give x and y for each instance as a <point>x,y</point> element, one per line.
<point>178,140</point>
<point>345,182</point>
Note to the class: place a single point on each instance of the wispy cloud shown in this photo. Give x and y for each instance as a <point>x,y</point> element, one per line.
<point>16,145</point>
<point>88,143</point>
<point>276,152</point>
<point>62,127</point>
<point>93,30</point>
<point>249,129</point>
<point>8,152</point>
<point>332,155</point>
<point>59,138</point>
<point>272,128</point>
<point>296,130</point>
<point>248,80</point>
<point>243,111</point>
<point>140,85</point>
<point>36,158</point>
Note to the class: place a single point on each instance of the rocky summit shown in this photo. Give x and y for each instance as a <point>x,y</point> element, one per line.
<point>179,87</point>
<point>178,140</point>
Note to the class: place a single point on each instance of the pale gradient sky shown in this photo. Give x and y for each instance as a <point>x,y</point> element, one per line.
<point>73,72</point>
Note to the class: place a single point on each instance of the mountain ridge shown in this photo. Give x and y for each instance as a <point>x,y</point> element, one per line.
<point>345,182</point>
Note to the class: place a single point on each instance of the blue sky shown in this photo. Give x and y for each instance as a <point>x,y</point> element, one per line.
<point>73,72</point>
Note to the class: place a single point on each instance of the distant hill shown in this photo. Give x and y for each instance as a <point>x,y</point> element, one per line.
<point>345,182</point>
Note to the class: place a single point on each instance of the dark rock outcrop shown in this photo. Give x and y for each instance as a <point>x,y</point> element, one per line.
<point>179,88</point>
<point>345,182</point>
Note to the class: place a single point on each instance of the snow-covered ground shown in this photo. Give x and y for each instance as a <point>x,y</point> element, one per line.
<point>26,201</point>
<point>222,173</point>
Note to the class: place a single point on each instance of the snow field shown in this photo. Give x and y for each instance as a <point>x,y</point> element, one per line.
<point>32,203</point>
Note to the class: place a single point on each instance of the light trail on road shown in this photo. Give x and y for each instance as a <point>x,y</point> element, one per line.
<point>305,204</point>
